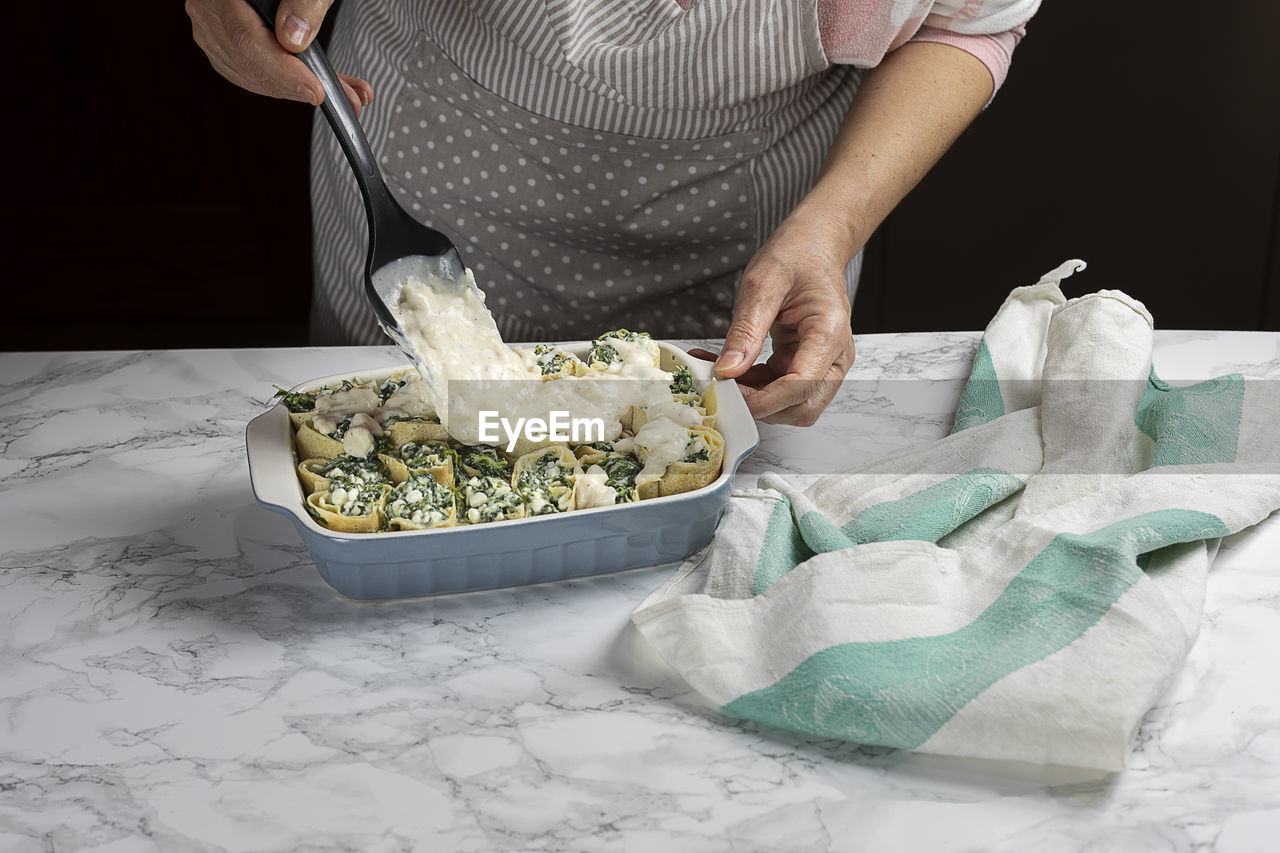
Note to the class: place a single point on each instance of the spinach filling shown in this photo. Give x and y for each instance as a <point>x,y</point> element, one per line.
<point>341,429</point>
<point>550,360</point>
<point>482,499</point>
<point>546,485</point>
<point>354,497</point>
<point>682,381</point>
<point>391,386</point>
<point>696,450</point>
<point>420,499</point>
<point>344,466</point>
<point>429,454</point>
<point>409,419</point>
<point>298,403</point>
<point>602,352</point>
<point>483,461</point>
<point>621,474</point>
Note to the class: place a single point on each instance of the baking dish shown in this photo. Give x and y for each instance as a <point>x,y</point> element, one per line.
<point>585,542</point>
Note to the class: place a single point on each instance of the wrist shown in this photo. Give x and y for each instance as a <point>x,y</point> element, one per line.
<point>833,223</point>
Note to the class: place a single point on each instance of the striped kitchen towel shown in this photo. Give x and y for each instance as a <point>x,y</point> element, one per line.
<point>1025,588</point>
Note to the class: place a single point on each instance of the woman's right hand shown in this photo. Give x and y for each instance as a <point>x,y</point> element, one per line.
<point>243,50</point>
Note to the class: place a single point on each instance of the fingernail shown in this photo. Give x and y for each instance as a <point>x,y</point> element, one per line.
<point>296,31</point>
<point>365,100</point>
<point>729,359</point>
<point>307,94</point>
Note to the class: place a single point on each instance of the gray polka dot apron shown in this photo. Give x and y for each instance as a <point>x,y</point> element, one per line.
<point>598,165</point>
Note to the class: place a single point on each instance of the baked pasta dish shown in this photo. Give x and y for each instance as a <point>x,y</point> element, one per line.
<point>376,456</point>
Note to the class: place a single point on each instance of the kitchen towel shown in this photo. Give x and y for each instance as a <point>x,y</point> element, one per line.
<point>1025,588</point>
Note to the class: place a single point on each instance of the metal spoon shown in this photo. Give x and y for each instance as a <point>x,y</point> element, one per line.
<point>393,234</point>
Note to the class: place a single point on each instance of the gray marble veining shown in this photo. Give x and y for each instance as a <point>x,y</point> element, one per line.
<point>175,675</point>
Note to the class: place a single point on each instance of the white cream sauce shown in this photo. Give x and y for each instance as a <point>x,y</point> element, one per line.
<point>332,408</point>
<point>636,360</point>
<point>686,416</point>
<point>409,400</point>
<point>658,443</point>
<point>589,488</point>
<point>469,369</point>
<point>360,436</point>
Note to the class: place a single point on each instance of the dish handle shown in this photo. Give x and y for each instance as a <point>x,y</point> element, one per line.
<point>271,474</point>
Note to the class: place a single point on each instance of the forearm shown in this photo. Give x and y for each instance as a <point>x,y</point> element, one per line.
<point>907,113</point>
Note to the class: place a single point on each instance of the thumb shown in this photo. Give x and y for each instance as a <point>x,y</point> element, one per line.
<point>758,303</point>
<point>298,21</point>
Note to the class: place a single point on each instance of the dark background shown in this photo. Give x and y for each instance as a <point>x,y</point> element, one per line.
<point>153,205</point>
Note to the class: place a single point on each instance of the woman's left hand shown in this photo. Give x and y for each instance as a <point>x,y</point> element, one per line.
<point>793,289</point>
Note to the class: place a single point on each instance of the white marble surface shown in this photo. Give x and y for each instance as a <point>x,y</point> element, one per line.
<point>174,674</point>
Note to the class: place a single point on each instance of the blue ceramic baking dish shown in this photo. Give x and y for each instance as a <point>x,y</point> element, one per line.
<point>509,553</point>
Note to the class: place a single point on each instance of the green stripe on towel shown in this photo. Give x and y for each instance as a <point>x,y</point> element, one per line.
<point>900,693</point>
<point>781,550</point>
<point>981,401</point>
<point>1195,424</point>
<point>926,516</point>
<point>932,513</point>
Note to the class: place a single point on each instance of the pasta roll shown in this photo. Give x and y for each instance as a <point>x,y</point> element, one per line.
<point>593,453</point>
<point>420,503</point>
<point>311,475</point>
<point>612,350</point>
<point>545,479</point>
<point>482,499</point>
<point>418,430</point>
<point>433,456</point>
<point>620,475</point>
<point>483,460</point>
<point>697,467</point>
<point>349,505</point>
<point>555,363</point>
<point>315,445</point>
<point>315,474</point>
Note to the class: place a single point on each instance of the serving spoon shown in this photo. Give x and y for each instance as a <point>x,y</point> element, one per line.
<point>397,241</point>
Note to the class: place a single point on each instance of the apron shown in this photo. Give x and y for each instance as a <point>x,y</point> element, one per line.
<point>598,165</point>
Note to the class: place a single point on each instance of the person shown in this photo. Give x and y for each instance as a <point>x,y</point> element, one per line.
<point>697,168</point>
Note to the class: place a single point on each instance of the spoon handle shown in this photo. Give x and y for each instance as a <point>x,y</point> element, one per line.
<point>378,203</point>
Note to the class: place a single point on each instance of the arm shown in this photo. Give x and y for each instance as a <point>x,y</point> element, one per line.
<point>906,114</point>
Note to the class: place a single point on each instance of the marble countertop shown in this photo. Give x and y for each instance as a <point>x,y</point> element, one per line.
<point>175,675</point>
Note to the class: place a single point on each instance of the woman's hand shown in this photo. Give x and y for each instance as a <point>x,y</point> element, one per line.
<point>242,49</point>
<point>793,290</point>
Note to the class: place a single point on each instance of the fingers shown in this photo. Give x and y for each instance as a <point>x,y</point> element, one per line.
<point>363,91</point>
<point>353,94</point>
<point>760,296</point>
<point>298,21</point>
<point>800,397</point>
<point>242,49</point>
